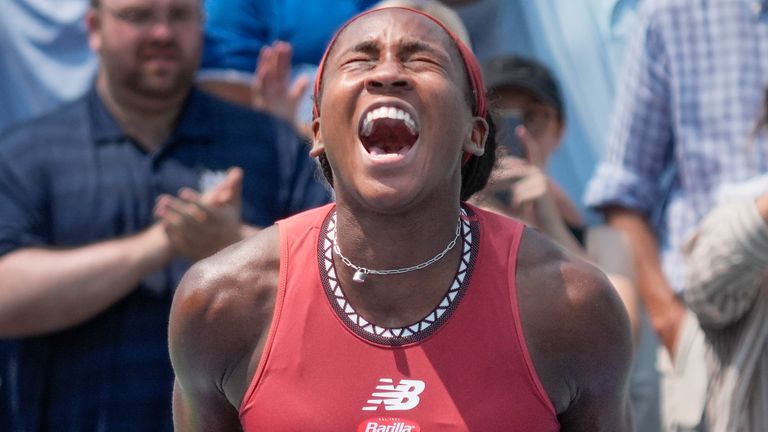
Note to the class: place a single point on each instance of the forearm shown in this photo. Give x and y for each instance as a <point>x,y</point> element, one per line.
<point>551,222</point>
<point>726,261</point>
<point>664,308</point>
<point>44,290</point>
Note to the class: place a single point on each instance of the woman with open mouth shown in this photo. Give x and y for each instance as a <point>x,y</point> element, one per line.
<point>399,307</point>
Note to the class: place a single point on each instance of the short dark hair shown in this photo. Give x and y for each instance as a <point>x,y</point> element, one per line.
<point>474,173</point>
<point>525,74</point>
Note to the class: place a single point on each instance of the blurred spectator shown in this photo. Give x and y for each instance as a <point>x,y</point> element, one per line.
<point>45,61</point>
<point>285,39</point>
<point>45,57</point>
<point>689,96</point>
<point>582,42</point>
<point>86,274</point>
<point>275,88</point>
<point>727,287</point>
<point>531,123</point>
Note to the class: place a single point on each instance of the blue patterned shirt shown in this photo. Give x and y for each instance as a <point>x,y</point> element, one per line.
<point>73,177</point>
<point>687,107</point>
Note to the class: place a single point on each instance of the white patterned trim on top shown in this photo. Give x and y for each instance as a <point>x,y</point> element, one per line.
<point>398,335</point>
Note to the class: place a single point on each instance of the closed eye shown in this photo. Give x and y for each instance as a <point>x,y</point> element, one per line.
<point>420,52</point>
<point>424,60</point>
<point>357,59</point>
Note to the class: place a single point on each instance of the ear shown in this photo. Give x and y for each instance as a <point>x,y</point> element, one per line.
<point>318,146</point>
<point>476,143</point>
<point>93,26</point>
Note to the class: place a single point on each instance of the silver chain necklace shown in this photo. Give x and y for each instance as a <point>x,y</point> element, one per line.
<point>362,272</point>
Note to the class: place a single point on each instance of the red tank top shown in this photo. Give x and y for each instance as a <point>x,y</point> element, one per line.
<point>464,367</point>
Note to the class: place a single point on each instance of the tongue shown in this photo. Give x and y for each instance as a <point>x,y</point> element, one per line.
<point>388,136</point>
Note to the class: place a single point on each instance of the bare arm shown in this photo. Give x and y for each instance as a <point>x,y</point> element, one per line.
<point>583,357</point>
<point>199,401</point>
<point>726,262</point>
<point>664,308</point>
<point>219,321</point>
<point>45,290</point>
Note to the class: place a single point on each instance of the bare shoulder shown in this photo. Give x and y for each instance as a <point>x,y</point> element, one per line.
<point>578,334</point>
<point>221,311</point>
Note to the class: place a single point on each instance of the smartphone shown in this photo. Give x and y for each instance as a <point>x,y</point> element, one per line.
<point>514,147</point>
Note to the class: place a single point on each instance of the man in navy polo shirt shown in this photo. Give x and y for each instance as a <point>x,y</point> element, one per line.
<point>105,203</point>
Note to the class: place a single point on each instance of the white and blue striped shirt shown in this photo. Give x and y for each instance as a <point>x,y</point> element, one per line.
<point>687,107</point>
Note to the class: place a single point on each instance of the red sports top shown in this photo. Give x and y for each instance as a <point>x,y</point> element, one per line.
<point>464,367</point>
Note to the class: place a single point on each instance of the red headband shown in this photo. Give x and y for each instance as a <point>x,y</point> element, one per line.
<point>470,63</point>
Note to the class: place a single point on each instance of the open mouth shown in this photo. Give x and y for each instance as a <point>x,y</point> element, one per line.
<point>388,130</point>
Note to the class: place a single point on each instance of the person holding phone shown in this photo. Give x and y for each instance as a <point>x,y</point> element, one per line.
<point>531,116</point>
<point>529,108</point>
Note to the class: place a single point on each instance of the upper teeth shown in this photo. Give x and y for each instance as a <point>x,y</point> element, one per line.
<point>388,112</point>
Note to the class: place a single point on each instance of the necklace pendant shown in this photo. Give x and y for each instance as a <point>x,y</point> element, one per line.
<point>360,275</point>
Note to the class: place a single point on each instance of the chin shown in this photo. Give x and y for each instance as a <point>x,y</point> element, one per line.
<point>163,88</point>
<point>390,196</point>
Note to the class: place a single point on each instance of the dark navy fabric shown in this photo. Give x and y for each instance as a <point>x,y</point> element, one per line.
<point>73,177</point>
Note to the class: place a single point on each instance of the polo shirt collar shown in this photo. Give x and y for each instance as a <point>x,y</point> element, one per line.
<point>196,117</point>
<point>194,122</point>
<point>104,127</point>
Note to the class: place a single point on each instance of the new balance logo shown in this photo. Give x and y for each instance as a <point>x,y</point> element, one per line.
<point>400,397</point>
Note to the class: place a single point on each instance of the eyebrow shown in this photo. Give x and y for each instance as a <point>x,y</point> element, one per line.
<point>410,47</point>
<point>367,46</point>
<point>407,48</point>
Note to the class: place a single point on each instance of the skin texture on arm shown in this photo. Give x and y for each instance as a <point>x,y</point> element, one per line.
<point>664,309</point>
<point>213,352</point>
<point>45,290</point>
<point>582,356</point>
<point>540,202</point>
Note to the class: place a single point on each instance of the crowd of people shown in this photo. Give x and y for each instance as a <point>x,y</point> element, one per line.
<point>469,215</point>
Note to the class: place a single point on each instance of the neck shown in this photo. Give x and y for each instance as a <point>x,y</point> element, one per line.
<point>149,121</point>
<point>385,241</point>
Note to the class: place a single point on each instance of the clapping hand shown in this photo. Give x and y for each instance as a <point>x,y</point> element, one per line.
<point>198,225</point>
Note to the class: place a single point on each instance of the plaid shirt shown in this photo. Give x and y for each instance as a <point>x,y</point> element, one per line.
<point>73,177</point>
<point>686,111</point>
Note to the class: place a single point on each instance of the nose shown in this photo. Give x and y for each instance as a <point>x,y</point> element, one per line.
<point>387,76</point>
<point>161,28</point>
